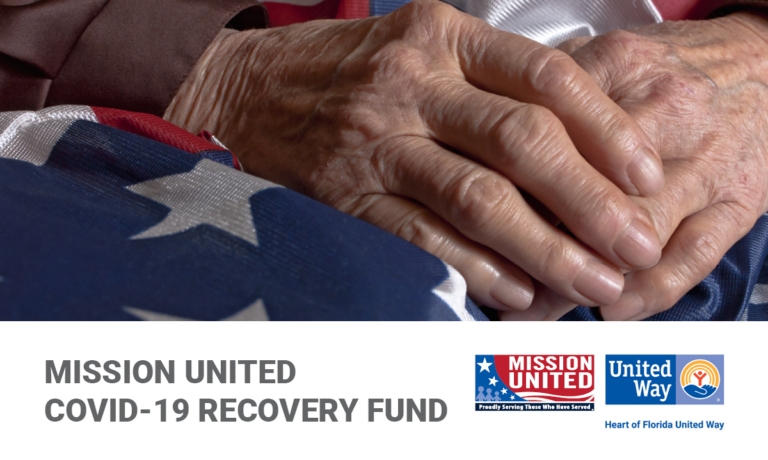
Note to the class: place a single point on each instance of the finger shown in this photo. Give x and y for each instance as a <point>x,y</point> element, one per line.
<point>684,195</point>
<point>486,208</point>
<point>529,145</point>
<point>547,305</point>
<point>524,70</point>
<point>491,280</point>
<point>692,253</point>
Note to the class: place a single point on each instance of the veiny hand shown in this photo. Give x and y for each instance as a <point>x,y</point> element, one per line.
<point>428,122</point>
<point>699,91</point>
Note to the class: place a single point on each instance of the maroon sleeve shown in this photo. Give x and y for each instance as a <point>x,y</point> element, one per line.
<point>127,54</point>
<point>675,10</point>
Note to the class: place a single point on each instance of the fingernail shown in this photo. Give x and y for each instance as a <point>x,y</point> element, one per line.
<point>599,283</point>
<point>511,293</point>
<point>645,173</point>
<point>627,307</point>
<point>638,246</point>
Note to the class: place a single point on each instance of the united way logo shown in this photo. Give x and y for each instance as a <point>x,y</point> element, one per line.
<point>534,382</point>
<point>664,379</point>
<point>700,379</point>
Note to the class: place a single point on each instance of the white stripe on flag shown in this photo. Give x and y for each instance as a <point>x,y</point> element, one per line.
<point>30,136</point>
<point>552,22</point>
<point>453,291</point>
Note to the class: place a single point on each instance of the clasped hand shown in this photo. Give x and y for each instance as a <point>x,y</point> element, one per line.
<point>698,89</point>
<point>473,144</point>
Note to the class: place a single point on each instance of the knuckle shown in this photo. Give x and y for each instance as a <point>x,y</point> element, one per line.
<point>524,132</point>
<point>739,217</point>
<point>703,253</point>
<point>435,11</point>
<point>741,214</point>
<point>417,228</point>
<point>477,198</point>
<point>669,288</point>
<point>704,250</point>
<point>601,212</point>
<point>424,19</point>
<point>660,216</point>
<point>560,261</point>
<point>611,54</point>
<point>362,207</point>
<point>339,180</point>
<point>682,93</point>
<point>387,162</point>
<point>619,41</point>
<point>551,72</point>
<point>396,62</point>
<point>618,127</point>
<point>746,191</point>
<point>354,122</point>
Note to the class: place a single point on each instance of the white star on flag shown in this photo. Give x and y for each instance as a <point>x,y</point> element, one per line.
<point>503,391</point>
<point>485,366</point>
<point>211,194</point>
<point>492,381</point>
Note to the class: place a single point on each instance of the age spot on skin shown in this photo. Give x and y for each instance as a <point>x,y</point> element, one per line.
<point>743,178</point>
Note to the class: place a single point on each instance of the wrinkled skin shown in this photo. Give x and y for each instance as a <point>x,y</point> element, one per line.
<point>699,90</point>
<point>428,123</point>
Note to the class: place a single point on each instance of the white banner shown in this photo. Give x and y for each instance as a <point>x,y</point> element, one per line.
<point>311,373</point>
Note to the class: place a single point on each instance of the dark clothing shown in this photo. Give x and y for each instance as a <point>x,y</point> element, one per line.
<point>127,54</point>
<point>135,54</point>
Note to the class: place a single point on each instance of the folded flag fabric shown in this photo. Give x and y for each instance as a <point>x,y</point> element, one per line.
<point>112,215</point>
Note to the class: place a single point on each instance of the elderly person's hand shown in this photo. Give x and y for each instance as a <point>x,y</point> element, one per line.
<point>428,123</point>
<point>699,91</point>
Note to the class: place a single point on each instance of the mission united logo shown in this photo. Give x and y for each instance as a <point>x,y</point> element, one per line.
<point>534,382</point>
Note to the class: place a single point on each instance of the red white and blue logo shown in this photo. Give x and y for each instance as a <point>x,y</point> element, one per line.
<point>534,382</point>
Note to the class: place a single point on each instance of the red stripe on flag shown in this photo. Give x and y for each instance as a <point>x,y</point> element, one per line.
<point>353,9</point>
<point>283,14</point>
<point>675,10</point>
<point>154,128</point>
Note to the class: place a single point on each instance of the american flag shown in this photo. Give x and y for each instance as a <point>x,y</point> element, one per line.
<point>112,215</point>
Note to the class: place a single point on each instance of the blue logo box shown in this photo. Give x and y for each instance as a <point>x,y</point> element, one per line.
<point>664,379</point>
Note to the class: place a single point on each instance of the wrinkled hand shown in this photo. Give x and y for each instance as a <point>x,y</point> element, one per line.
<point>699,91</point>
<point>425,122</point>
